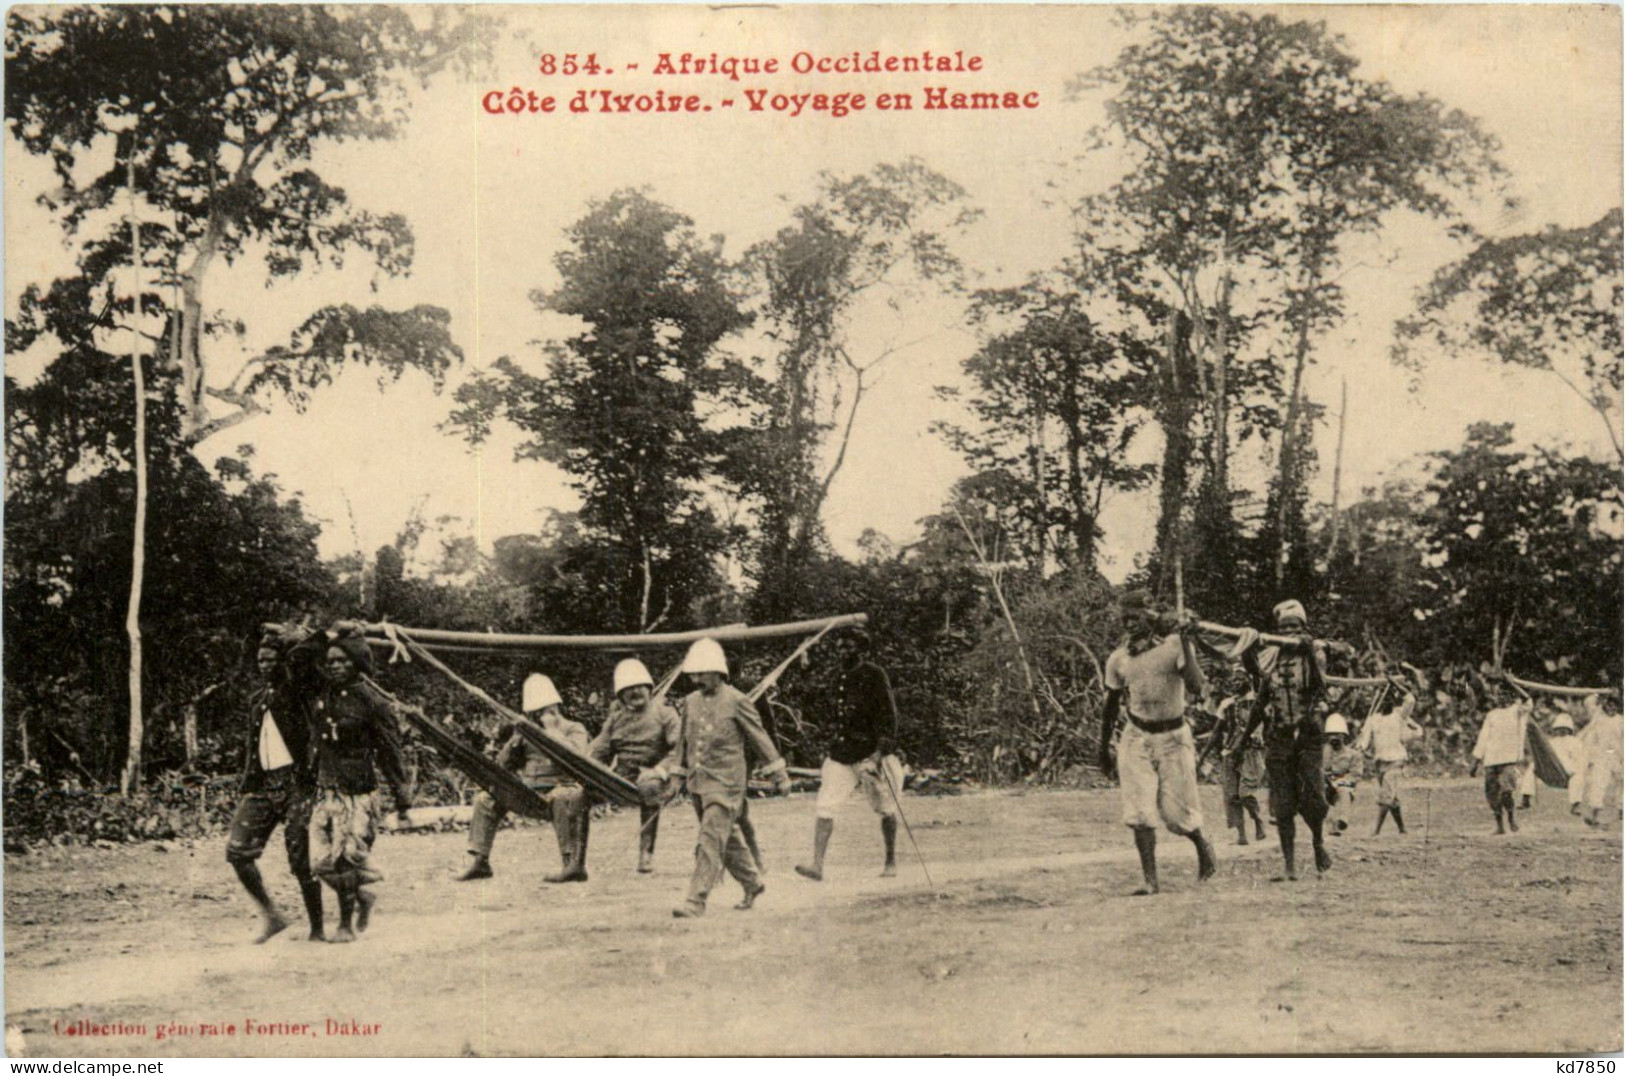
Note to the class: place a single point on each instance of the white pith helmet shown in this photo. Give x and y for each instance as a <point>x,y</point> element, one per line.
<point>1562,721</point>
<point>706,656</point>
<point>540,693</point>
<point>631,673</point>
<point>1337,726</point>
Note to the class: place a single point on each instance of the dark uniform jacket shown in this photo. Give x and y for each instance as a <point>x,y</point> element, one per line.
<point>356,738</point>
<point>866,713</point>
<point>291,716</point>
<point>290,699</point>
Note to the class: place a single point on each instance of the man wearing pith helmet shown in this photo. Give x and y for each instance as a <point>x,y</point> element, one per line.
<point>640,736</point>
<point>722,735</point>
<point>566,802</point>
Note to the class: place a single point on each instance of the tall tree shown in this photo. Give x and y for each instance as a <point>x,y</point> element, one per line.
<point>626,406</point>
<point>1523,551</point>
<point>1050,375</point>
<point>211,115</point>
<point>1252,150</point>
<point>221,110</point>
<point>1549,301</point>
<point>866,243</point>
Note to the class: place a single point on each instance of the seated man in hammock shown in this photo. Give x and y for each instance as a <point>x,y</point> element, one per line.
<point>641,737</point>
<point>565,799</point>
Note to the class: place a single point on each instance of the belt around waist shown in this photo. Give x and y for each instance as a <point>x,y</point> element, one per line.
<point>1157,726</point>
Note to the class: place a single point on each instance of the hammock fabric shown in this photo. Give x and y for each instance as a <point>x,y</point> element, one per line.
<point>1548,766</point>
<point>507,789</point>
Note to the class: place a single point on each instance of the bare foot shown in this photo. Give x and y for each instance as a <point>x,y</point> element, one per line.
<point>317,935</point>
<point>1284,877</point>
<point>274,924</point>
<point>810,873</point>
<point>1323,859</point>
<point>1146,891</point>
<point>889,871</point>
<point>688,911</point>
<point>341,936</point>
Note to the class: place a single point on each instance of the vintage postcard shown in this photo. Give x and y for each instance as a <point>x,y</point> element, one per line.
<point>812,530</point>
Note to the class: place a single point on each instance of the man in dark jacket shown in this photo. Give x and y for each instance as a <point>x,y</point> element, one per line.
<point>278,783</point>
<point>356,738</point>
<point>860,753</point>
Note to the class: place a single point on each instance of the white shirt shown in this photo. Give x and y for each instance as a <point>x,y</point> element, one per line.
<point>1500,738</point>
<point>274,753</point>
<point>1386,734</point>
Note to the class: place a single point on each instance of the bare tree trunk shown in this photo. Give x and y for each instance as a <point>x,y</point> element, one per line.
<point>1035,452</point>
<point>189,732</point>
<point>131,780</point>
<point>22,736</point>
<point>1287,476</point>
<point>1009,618</point>
<point>1337,470</point>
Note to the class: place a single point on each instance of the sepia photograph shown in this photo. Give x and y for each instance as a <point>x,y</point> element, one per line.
<point>813,531</point>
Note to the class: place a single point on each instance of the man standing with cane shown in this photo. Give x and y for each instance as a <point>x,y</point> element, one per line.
<point>860,754</point>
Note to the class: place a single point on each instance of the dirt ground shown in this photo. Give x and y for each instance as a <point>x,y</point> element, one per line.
<point>1447,939</point>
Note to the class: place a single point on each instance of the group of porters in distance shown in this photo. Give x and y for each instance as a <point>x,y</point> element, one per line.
<point>323,736</point>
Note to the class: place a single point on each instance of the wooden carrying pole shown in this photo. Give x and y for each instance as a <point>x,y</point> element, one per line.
<point>474,640</point>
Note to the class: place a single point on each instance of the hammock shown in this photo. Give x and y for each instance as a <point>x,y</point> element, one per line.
<point>592,774</point>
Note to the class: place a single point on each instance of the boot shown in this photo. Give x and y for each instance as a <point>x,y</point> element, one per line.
<point>822,829</point>
<point>1382,816</point>
<point>1258,824</point>
<point>272,921</point>
<point>1323,858</point>
<point>888,834</point>
<point>571,829</point>
<point>1399,819</point>
<point>1500,827</point>
<point>1145,842</point>
<point>311,891</point>
<point>646,838</point>
<point>478,867</point>
<point>1512,814</point>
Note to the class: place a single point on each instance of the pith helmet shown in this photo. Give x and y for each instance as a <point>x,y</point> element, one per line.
<point>1562,721</point>
<point>631,673</point>
<point>540,693</point>
<point>706,656</point>
<point>1336,726</point>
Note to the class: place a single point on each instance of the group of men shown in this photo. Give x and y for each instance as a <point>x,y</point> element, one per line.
<point>320,739</point>
<point>1275,729</point>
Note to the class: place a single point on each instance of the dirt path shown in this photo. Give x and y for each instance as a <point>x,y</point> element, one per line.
<point>1445,940</point>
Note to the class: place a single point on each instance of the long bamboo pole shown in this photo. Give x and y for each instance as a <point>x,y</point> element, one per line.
<point>729,634</point>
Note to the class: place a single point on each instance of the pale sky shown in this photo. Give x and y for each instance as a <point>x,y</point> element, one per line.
<point>489,198</point>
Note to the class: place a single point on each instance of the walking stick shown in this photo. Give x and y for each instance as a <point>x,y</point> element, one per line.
<point>884,776</point>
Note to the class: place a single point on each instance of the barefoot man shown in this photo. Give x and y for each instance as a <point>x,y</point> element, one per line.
<point>1156,760</point>
<point>860,755</point>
